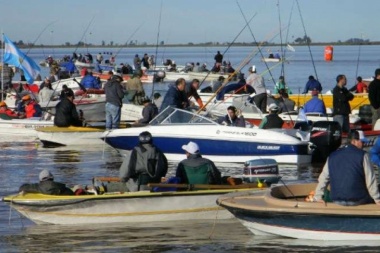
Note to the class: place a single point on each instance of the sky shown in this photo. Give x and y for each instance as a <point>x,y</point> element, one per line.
<point>187,21</point>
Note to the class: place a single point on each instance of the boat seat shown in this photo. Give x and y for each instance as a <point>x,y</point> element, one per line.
<point>197,175</point>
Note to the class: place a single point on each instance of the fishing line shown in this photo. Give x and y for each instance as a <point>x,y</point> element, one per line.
<point>158,37</point>
<point>130,37</point>
<point>281,46</point>
<point>357,61</point>
<point>84,34</point>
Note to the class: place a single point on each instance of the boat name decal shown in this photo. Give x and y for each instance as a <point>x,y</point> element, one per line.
<point>265,147</point>
<point>239,133</point>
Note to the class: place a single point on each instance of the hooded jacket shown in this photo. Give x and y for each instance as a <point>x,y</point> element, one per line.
<point>114,91</point>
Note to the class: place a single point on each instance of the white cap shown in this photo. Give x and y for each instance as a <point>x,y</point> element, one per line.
<point>45,175</point>
<point>273,107</point>
<point>253,68</point>
<point>362,136</point>
<point>191,148</point>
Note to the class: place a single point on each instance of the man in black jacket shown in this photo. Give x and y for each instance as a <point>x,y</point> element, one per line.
<point>114,95</point>
<point>66,113</point>
<point>46,186</point>
<point>374,97</point>
<point>341,105</point>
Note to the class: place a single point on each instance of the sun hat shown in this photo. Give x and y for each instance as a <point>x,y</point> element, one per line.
<point>45,175</point>
<point>191,148</point>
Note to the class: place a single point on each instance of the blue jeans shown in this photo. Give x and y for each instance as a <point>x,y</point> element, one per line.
<point>344,122</point>
<point>113,113</point>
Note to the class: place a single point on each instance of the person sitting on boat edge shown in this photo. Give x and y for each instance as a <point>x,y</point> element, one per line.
<point>350,175</point>
<point>7,113</point>
<point>66,113</point>
<point>312,84</point>
<point>47,185</point>
<point>233,118</point>
<point>314,105</point>
<point>195,169</point>
<point>285,104</point>
<point>146,164</point>
<point>149,111</point>
<point>272,120</point>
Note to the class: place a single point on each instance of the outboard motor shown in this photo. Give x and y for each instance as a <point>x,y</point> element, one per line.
<point>263,170</point>
<point>159,76</point>
<point>327,137</point>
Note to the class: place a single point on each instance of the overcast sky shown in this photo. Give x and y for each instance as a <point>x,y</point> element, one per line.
<point>183,21</point>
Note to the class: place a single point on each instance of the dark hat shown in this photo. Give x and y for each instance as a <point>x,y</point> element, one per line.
<point>145,100</point>
<point>145,137</point>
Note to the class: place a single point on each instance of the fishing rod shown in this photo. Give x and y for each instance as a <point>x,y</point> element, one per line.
<point>84,34</point>
<point>158,37</point>
<point>357,62</point>
<point>229,45</point>
<point>254,39</point>
<point>281,46</point>
<point>287,35</point>
<point>130,37</point>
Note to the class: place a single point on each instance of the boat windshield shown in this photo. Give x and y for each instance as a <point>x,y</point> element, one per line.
<point>178,116</point>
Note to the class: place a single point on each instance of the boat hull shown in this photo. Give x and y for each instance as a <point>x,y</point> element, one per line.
<point>116,208</point>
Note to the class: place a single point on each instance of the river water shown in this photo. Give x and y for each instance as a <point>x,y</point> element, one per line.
<point>21,162</point>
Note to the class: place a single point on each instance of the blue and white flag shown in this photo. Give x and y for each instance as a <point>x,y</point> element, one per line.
<point>13,56</point>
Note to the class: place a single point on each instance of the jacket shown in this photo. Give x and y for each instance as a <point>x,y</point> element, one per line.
<point>271,121</point>
<point>374,93</point>
<point>315,105</point>
<point>175,98</point>
<point>149,112</point>
<point>47,187</point>
<point>341,98</point>
<point>114,92</point>
<point>66,114</point>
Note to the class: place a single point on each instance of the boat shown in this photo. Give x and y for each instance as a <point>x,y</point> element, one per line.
<point>174,127</point>
<point>127,207</point>
<point>21,130</point>
<point>54,136</point>
<point>104,76</point>
<point>265,59</point>
<point>283,211</point>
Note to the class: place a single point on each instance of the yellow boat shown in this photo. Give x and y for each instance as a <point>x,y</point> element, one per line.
<point>359,99</point>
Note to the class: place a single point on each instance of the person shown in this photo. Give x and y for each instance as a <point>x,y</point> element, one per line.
<point>218,58</point>
<point>149,111</point>
<point>99,58</point>
<point>272,120</point>
<point>151,61</point>
<point>4,110</point>
<point>191,90</point>
<point>46,82</point>
<point>66,91</point>
<point>28,108</point>
<point>197,67</point>
<point>374,153</point>
<point>195,169</point>
<point>6,74</point>
<point>47,185</point>
<point>114,95</point>
<point>349,174</point>
<point>135,88</point>
<point>137,62</point>
<point>232,118</point>
<point>46,94</point>
<point>176,96</point>
<point>66,113</point>
<point>341,105</point>
<point>374,97</point>
<point>90,82</point>
<point>281,85</point>
<point>360,86</point>
<point>146,164</point>
<point>257,82</point>
<point>229,69</point>
<point>285,103</point>
<point>144,61</point>
<point>312,84</point>
<point>216,85</point>
<point>315,105</point>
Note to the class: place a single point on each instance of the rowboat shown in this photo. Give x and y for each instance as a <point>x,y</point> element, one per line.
<point>127,207</point>
<point>63,136</point>
<point>283,211</point>
<point>174,127</point>
<point>21,129</point>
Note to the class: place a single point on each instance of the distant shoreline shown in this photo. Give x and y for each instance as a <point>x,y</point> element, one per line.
<point>201,45</point>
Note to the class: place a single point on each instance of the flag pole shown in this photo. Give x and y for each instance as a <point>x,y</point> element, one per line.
<point>2,65</point>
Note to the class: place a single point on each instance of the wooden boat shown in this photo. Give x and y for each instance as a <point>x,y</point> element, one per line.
<point>128,207</point>
<point>63,136</point>
<point>283,211</point>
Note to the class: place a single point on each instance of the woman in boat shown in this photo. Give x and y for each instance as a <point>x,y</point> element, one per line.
<point>147,164</point>
<point>195,169</point>
<point>46,186</point>
<point>347,167</point>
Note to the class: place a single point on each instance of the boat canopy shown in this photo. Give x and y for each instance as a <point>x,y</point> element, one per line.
<point>172,115</point>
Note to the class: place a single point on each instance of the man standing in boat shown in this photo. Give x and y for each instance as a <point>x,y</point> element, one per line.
<point>374,97</point>
<point>218,58</point>
<point>257,82</point>
<point>350,175</point>
<point>341,105</point>
<point>114,95</point>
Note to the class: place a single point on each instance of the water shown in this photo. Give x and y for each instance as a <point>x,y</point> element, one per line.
<point>22,162</point>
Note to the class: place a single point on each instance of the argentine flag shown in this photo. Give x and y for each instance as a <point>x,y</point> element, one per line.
<point>13,56</point>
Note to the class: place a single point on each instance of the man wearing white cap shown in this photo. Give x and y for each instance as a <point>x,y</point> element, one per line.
<point>257,82</point>
<point>350,175</point>
<point>46,185</point>
<point>195,169</point>
<point>272,120</point>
